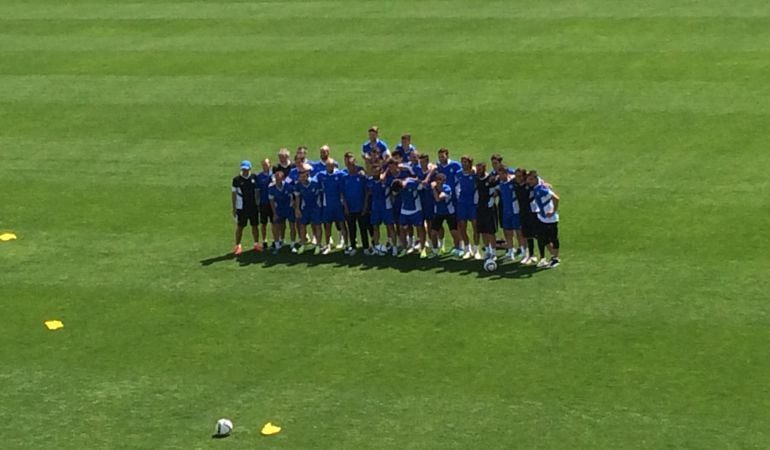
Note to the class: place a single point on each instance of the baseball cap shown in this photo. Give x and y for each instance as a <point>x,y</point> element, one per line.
<point>246,164</point>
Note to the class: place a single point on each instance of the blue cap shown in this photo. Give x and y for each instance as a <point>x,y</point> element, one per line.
<point>245,165</point>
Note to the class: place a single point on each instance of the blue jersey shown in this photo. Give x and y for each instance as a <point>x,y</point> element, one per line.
<point>319,166</point>
<point>542,203</point>
<point>331,184</point>
<point>410,197</point>
<point>403,152</point>
<point>381,145</point>
<point>281,197</point>
<point>444,207</point>
<point>379,194</point>
<point>450,170</point>
<point>465,188</point>
<point>308,195</point>
<point>263,184</point>
<point>353,189</point>
<point>508,201</point>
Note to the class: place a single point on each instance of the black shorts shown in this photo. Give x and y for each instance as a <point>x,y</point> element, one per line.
<point>438,222</point>
<point>265,213</point>
<point>529,225</point>
<point>548,233</point>
<point>486,220</point>
<point>243,217</point>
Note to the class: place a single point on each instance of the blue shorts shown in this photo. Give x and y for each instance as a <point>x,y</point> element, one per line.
<point>466,211</point>
<point>381,216</point>
<point>412,219</point>
<point>311,216</point>
<point>281,215</point>
<point>331,214</point>
<point>511,222</point>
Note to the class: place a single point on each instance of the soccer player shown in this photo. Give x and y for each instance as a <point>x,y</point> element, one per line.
<point>319,166</point>
<point>280,196</point>
<point>465,191</point>
<point>405,148</point>
<point>307,207</point>
<point>284,164</point>
<point>450,168</point>
<point>331,204</point>
<point>545,203</point>
<point>425,172</point>
<point>380,207</point>
<point>264,179</point>
<point>509,204</point>
<point>411,210</point>
<point>244,199</point>
<point>396,172</point>
<point>353,193</point>
<point>528,218</point>
<point>444,211</point>
<point>485,208</point>
<point>372,143</point>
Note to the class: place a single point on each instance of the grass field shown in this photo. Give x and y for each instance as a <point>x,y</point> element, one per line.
<point>122,123</point>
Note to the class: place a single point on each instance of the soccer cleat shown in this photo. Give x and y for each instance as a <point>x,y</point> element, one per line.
<point>257,247</point>
<point>542,263</point>
<point>394,250</point>
<point>369,251</point>
<point>317,250</point>
<point>352,252</point>
<point>325,250</point>
<point>456,252</point>
<point>301,250</point>
<point>478,256</point>
<point>238,250</point>
<point>294,249</point>
<point>467,255</point>
<point>510,256</point>
<point>423,254</point>
<point>402,253</point>
<point>315,241</point>
<point>410,250</point>
<point>554,263</point>
<point>341,244</point>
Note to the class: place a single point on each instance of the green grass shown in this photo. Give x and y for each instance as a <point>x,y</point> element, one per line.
<point>122,123</point>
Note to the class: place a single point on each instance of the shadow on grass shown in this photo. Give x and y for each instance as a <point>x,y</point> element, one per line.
<point>410,263</point>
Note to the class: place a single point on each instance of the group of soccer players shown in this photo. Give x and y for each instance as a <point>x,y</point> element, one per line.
<point>404,192</point>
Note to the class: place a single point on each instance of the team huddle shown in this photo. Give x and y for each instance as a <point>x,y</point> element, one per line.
<point>405,194</point>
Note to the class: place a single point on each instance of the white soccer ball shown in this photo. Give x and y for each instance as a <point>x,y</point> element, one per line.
<point>490,265</point>
<point>224,427</point>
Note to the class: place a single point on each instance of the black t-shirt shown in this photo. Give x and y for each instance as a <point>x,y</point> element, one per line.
<point>279,168</point>
<point>522,196</point>
<point>245,192</point>
<point>485,188</point>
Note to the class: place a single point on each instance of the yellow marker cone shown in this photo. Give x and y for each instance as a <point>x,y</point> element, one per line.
<point>53,324</point>
<point>7,237</point>
<point>269,429</point>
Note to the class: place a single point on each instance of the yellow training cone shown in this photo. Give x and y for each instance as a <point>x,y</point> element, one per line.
<point>269,429</point>
<point>53,324</point>
<point>7,237</point>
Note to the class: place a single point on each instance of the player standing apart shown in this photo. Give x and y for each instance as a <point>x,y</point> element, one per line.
<point>244,200</point>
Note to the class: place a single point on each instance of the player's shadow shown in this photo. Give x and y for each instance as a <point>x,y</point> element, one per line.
<point>506,270</point>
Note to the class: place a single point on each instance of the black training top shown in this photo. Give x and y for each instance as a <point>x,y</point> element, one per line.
<point>245,193</point>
